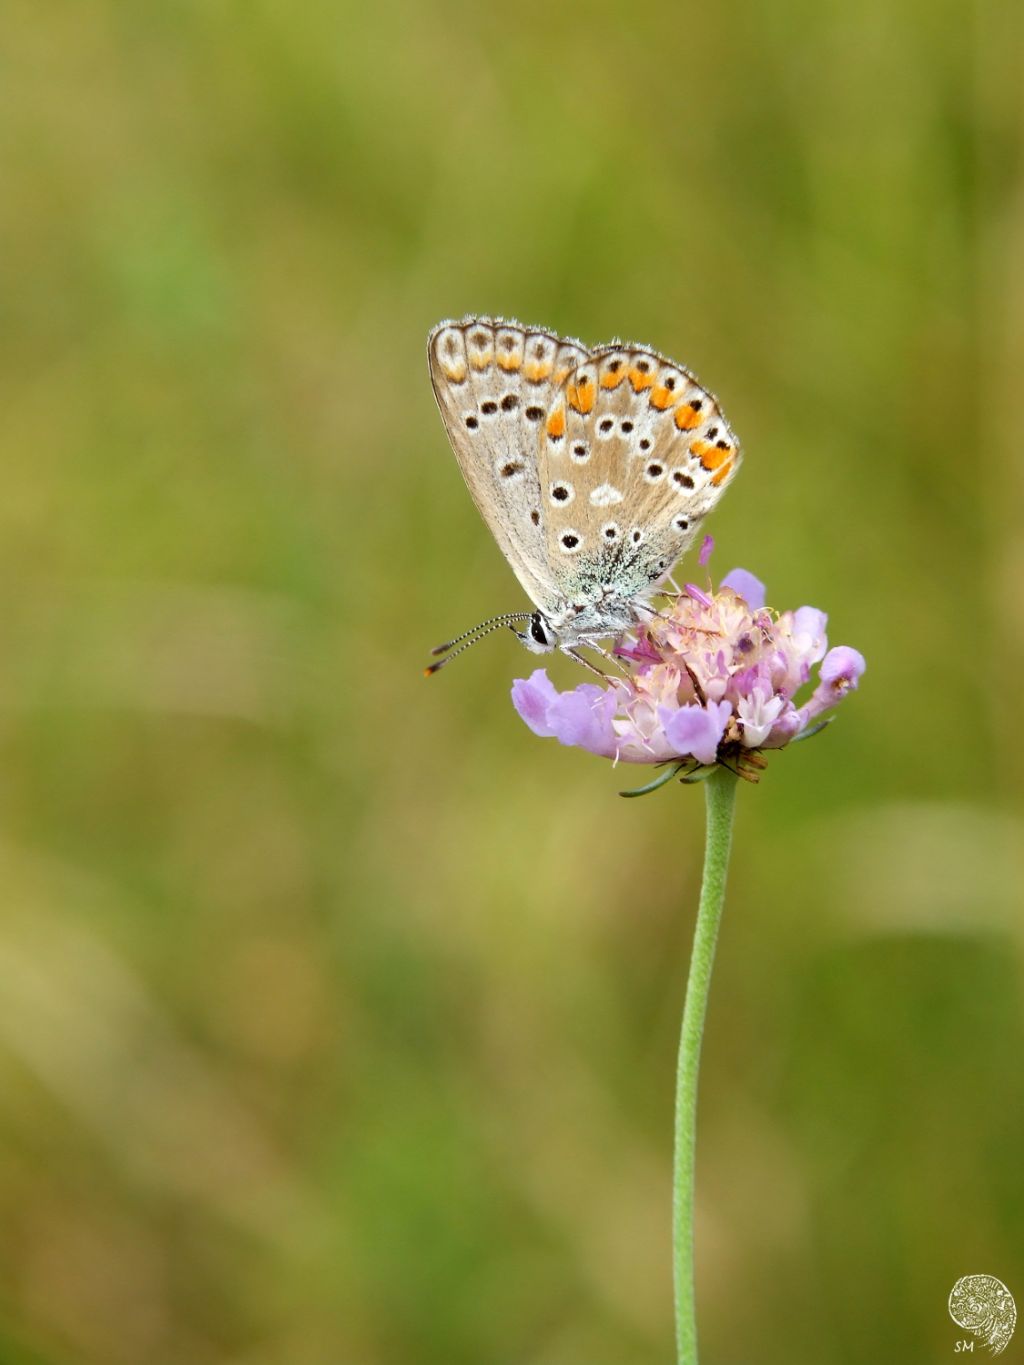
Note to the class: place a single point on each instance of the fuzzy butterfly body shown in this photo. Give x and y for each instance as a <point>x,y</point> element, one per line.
<point>593,469</point>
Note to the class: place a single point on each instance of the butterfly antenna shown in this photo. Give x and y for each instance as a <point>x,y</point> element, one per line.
<point>485,626</point>
<point>472,637</point>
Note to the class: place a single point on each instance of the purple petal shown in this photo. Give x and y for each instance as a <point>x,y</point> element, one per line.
<point>532,698</point>
<point>745,585</point>
<point>642,652</point>
<point>842,668</point>
<point>785,728</point>
<point>696,730</point>
<point>840,671</point>
<point>707,545</point>
<point>583,717</point>
<point>698,595</point>
<point>809,626</point>
<point>743,682</point>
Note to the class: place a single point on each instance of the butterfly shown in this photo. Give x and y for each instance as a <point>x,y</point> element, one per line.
<point>593,470</point>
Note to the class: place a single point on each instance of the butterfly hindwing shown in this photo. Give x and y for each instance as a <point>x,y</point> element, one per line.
<point>643,454</point>
<point>493,382</point>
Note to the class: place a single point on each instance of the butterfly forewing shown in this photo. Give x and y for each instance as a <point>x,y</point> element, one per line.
<point>633,455</point>
<point>494,382</point>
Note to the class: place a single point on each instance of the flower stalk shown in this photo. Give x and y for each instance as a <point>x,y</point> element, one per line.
<point>720,793</point>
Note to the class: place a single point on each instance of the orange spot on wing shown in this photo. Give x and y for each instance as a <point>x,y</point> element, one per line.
<point>562,374</point>
<point>662,398</point>
<point>611,379</point>
<point>581,395</point>
<point>687,417</point>
<point>455,374</point>
<point>482,360</point>
<point>710,456</point>
<point>720,475</point>
<point>509,361</point>
<point>537,370</point>
<point>640,379</point>
<point>556,424</point>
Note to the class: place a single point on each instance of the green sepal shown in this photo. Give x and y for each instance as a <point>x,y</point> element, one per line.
<point>672,771</point>
<point>696,775</point>
<point>814,730</point>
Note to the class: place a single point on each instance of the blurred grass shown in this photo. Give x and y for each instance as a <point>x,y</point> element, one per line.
<point>338,1014</point>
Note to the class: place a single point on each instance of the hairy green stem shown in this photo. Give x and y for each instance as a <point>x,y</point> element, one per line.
<point>720,790</point>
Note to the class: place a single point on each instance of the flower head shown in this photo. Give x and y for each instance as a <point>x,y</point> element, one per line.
<point>712,679</point>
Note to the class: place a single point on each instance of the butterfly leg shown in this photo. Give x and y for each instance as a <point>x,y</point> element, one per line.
<point>617,664</point>
<point>581,659</point>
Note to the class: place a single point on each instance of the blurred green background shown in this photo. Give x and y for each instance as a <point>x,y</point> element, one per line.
<point>337,1012</point>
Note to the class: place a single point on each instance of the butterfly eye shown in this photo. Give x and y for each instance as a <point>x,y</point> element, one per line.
<point>538,630</point>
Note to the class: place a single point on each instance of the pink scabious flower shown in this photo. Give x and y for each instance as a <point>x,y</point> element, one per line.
<point>713,679</point>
